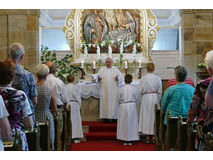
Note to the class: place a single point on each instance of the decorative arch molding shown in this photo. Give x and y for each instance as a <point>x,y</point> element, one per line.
<point>73,30</point>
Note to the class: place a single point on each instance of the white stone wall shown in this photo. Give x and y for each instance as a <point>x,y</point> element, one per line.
<point>165,62</point>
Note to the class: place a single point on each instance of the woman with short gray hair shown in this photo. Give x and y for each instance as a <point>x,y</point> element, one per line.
<point>180,73</point>
<point>177,98</point>
<point>46,100</point>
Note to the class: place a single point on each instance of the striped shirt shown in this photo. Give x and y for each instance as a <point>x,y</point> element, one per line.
<point>173,82</point>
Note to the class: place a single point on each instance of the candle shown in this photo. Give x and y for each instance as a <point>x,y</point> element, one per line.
<point>126,65</point>
<point>82,64</point>
<point>93,64</point>
<point>139,63</point>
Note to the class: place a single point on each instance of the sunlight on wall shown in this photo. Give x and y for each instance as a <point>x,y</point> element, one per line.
<point>55,40</point>
<point>167,39</point>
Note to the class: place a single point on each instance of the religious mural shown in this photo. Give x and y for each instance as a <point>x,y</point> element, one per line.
<point>102,26</point>
<point>94,34</point>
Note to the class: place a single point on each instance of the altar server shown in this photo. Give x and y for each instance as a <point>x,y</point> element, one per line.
<point>150,88</point>
<point>110,79</point>
<point>74,102</point>
<point>127,129</point>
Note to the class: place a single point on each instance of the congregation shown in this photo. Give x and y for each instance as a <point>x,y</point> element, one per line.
<point>24,101</point>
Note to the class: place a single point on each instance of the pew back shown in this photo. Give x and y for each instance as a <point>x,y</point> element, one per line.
<point>162,130</point>
<point>171,132</point>
<point>15,145</point>
<point>69,128</point>
<point>45,142</point>
<point>209,142</point>
<point>57,132</point>
<point>191,132</point>
<point>65,131</point>
<point>181,143</point>
<point>33,138</point>
<point>157,127</point>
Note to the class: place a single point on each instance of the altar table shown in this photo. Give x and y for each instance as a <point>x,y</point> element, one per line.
<point>90,100</point>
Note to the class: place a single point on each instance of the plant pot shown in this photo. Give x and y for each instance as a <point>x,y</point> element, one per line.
<point>202,74</point>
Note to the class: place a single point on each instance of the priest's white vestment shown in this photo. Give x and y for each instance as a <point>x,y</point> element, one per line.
<point>127,128</point>
<point>150,88</point>
<point>74,101</point>
<point>109,91</point>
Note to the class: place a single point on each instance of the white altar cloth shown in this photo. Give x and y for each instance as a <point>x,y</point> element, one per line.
<point>88,90</point>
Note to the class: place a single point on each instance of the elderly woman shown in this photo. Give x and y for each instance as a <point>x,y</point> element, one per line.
<point>46,100</point>
<point>177,98</point>
<point>150,89</point>
<point>198,109</point>
<point>16,102</point>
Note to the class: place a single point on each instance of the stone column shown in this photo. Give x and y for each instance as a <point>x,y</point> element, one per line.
<point>20,26</point>
<point>197,32</point>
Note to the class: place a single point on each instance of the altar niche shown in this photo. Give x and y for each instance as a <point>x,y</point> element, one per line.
<point>106,30</point>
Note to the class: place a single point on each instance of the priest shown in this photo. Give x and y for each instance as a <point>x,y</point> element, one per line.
<point>110,80</point>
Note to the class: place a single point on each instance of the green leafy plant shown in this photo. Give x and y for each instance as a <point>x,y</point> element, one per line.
<point>63,66</point>
<point>201,67</point>
<point>121,60</point>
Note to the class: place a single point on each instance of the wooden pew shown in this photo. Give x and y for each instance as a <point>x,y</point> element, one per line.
<point>65,131</point>
<point>45,142</point>
<point>15,145</point>
<point>157,128</point>
<point>69,144</point>
<point>171,132</point>
<point>209,142</point>
<point>57,133</point>
<point>181,143</point>
<point>33,138</point>
<point>191,132</point>
<point>162,131</point>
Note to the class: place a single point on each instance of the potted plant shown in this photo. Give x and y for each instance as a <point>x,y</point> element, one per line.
<point>202,71</point>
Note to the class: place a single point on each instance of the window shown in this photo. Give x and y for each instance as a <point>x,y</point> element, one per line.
<point>167,39</point>
<point>55,40</point>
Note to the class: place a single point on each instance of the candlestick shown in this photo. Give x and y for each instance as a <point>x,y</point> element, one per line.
<point>126,65</point>
<point>82,64</point>
<point>82,73</point>
<point>139,63</point>
<point>125,71</point>
<point>94,64</point>
<point>140,73</point>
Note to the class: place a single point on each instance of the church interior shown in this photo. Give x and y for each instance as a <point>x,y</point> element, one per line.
<point>106,79</point>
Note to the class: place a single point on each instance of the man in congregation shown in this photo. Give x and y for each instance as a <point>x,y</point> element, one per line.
<point>23,80</point>
<point>58,87</point>
<point>110,79</point>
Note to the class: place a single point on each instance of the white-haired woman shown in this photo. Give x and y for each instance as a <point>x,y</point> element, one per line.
<point>46,104</point>
<point>198,109</point>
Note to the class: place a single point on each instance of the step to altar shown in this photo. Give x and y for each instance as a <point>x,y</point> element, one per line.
<point>99,131</point>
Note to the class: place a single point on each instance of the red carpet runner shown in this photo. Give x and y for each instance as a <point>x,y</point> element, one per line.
<point>102,137</point>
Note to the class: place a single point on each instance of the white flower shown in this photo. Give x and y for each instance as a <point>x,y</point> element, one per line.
<point>130,41</point>
<point>89,45</point>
